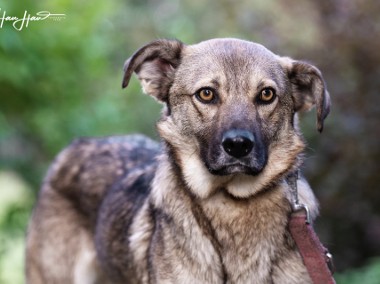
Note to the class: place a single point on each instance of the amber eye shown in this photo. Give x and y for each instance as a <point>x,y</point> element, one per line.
<point>206,95</point>
<point>267,95</point>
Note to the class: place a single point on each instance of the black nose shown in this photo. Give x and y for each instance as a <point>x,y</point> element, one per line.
<point>238,143</point>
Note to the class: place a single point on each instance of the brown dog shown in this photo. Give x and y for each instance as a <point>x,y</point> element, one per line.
<point>211,204</point>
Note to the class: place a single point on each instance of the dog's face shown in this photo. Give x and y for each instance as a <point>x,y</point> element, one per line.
<point>232,95</point>
<point>230,110</point>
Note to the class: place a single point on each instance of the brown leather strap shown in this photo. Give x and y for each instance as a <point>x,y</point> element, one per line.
<point>314,254</point>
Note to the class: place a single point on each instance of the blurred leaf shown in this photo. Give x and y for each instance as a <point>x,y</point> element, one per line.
<point>369,274</point>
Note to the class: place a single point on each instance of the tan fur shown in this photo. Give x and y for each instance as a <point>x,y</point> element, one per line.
<point>124,210</point>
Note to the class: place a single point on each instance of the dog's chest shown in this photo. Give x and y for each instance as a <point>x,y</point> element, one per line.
<point>250,234</point>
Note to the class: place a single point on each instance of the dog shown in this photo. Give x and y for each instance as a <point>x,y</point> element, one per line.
<point>211,202</point>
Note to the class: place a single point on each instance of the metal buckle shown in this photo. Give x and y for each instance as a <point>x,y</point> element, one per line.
<point>296,206</point>
<point>330,261</point>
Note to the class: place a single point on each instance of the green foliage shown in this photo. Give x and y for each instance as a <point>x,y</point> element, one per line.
<point>58,82</point>
<point>369,274</point>
<point>15,206</point>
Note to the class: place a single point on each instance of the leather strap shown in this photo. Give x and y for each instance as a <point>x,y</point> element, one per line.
<point>315,256</point>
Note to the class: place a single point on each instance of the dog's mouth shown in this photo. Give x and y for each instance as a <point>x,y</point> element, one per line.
<point>236,168</point>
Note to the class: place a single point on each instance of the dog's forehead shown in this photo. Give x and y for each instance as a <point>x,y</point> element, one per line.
<point>239,61</point>
<point>229,49</point>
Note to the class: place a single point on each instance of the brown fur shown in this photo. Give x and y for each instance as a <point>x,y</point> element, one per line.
<point>124,210</point>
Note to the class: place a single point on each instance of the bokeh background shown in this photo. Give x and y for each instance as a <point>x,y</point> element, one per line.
<point>62,79</point>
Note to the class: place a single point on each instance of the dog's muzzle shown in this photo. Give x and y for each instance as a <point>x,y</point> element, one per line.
<point>236,151</point>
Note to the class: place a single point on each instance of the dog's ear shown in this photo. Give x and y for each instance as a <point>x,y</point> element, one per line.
<point>308,89</point>
<point>155,65</point>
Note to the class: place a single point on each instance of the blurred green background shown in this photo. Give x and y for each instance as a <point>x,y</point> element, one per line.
<point>62,79</point>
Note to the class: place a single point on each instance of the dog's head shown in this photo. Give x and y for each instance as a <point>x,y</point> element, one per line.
<point>230,116</point>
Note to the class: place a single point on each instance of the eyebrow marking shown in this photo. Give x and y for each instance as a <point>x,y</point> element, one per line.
<point>213,83</point>
<point>216,83</point>
<point>267,83</point>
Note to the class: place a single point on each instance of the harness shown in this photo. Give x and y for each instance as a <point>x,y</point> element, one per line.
<point>316,257</point>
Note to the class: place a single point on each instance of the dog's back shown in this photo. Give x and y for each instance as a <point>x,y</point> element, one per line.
<point>89,174</point>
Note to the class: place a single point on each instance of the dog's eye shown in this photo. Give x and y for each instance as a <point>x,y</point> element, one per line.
<point>205,95</point>
<point>267,95</point>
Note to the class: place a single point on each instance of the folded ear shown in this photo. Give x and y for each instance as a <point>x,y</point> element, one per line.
<point>308,89</point>
<point>155,65</point>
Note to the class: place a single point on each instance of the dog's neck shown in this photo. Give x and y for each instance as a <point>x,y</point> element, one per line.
<point>237,228</point>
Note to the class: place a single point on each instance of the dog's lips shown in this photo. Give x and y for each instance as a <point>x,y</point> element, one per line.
<point>235,168</point>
